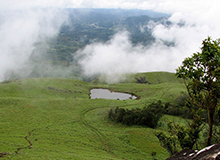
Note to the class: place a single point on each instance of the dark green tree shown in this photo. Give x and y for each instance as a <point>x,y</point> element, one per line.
<point>201,75</point>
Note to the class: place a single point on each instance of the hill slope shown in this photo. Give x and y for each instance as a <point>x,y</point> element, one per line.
<point>151,78</point>
<point>55,119</point>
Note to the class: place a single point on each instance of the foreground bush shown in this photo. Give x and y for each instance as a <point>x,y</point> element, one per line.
<point>148,116</point>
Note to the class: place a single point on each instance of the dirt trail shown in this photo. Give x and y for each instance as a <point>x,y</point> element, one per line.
<point>96,131</point>
<point>29,140</point>
<point>19,149</point>
<point>98,134</point>
<point>30,143</point>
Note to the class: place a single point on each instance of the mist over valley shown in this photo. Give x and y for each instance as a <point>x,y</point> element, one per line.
<point>59,42</point>
<point>84,43</point>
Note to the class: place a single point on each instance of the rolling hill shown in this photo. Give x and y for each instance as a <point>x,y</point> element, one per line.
<point>49,118</point>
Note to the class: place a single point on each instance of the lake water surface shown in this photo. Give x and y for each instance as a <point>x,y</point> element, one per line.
<point>106,94</point>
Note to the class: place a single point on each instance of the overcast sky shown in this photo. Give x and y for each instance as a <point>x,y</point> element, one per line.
<point>168,6</point>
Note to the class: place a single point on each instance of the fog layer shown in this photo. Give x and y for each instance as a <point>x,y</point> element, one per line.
<point>20,30</point>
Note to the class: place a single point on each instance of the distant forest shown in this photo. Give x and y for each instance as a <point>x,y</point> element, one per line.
<point>89,25</point>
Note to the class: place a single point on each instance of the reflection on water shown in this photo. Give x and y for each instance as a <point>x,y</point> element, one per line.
<point>106,94</point>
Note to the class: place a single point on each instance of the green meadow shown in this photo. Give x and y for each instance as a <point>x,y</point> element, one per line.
<point>48,118</point>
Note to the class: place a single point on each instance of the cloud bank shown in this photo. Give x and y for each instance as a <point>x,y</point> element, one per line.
<point>192,22</point>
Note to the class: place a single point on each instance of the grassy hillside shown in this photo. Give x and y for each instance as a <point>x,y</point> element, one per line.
<point>55,119</point>
<point>151,77</point>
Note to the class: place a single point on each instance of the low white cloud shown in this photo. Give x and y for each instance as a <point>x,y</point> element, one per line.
<point>192,22</point>
<point>119,56</point>
<point>20,30</point>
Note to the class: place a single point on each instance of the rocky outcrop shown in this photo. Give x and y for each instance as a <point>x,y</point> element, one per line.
<point>208,153</point>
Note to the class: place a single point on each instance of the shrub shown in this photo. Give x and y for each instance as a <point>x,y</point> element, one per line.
<point>142,80</point>
<point>148,116</point>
